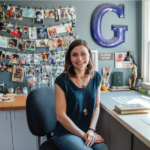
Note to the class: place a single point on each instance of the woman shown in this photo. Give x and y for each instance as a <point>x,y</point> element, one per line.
<point>77,92</point>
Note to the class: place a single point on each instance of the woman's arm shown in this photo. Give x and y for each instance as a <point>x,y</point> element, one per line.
<point>60,107</point>
<point>96,110</point>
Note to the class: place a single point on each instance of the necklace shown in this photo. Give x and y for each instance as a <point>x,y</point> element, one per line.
<point>85,101</point>
<point>83,85</point>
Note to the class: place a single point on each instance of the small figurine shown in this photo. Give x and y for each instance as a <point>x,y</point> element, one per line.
<point>134,72</point>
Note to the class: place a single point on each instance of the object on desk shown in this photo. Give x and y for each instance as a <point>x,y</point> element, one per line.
<point>138,83</point>
<point>25,90</point>
<point>134,72</point>
<point>146,120</point>
<point>130,82</point>
<point>144,91</point>
<point>18,90</point>
<point>7,99</point>
<point>11,90</point>
<point>131,109</point>
<point>118,79</point>
<point>117,90</point>
<point>145,85</point>
<point>3,88</point>
<point>104,88</point>
<point>120,87</point>
<point>10,94</point>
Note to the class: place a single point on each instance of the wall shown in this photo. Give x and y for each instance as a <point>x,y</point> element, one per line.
<point>84,11</point>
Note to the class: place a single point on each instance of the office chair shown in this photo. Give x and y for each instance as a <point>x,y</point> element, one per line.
<point>41,116</point>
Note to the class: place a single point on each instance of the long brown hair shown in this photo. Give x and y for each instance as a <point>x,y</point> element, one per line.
<point>69,69</point>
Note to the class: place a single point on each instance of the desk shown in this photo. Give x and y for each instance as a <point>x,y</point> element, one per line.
<point>129,130</point>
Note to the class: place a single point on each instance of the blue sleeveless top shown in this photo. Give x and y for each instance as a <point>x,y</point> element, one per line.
<point>75,100</point>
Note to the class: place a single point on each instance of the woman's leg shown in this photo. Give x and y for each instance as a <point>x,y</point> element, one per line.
<point>99,146</point>
<point>70,142</point>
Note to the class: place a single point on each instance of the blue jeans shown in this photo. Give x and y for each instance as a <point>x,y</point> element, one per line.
<point>73,142</point>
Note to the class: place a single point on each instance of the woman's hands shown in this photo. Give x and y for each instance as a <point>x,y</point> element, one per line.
<point>91,138</point>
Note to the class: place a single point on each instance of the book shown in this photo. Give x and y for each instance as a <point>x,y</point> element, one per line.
<point>145,85</point>
<point>144,91</point>
<point>120,87</point>
<point>131,109</point>
<point>115,90</point>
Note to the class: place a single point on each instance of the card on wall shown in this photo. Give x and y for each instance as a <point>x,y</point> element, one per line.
<point>24,59</point>
<point>42,33</point>
<point>18,13</point>
<point>42,43</point>
<point>38,16</point>
<point>52,44</point>
<point>30,45</point>
<point>32,33</point>
<point>10,11</point>
<point>12,43</point>
<point>3,41</point>
<point>28,13</point>
<point>52,31</point>
<point>29,71</point>
<point>15,58</point>
<point>21,45</point>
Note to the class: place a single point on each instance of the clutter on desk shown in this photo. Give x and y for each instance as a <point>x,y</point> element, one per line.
<point>144,91</point>
<point>11,90</point>
<point>3,88</point>
<point>18,90</point>
<point>7,99</point>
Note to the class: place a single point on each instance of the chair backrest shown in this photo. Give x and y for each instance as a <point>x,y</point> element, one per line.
<point>40,110</point>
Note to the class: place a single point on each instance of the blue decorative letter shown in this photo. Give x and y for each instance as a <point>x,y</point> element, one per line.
<point>119,30</point>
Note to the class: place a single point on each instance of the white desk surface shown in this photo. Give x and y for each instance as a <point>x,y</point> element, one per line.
<point>132,122</point>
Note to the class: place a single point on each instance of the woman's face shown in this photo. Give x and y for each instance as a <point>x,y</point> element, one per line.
<point>79,57</point>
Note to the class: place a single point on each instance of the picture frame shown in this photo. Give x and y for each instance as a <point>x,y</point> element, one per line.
<point>95,59</point>
<point>138,83</point>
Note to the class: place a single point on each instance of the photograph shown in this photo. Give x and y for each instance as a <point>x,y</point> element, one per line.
<point>24,59</point>
<point>17,32</point>
<point>45,57</point>
<point>29,71</point>
<point>71,39</point>
<point>28,13</point>
<point>52,31</point>
<point>14,58</point>
<point>3,13</point>
<point>9,28</point>
<point>18,74</point>
<point>44,80</point>
<point>6,55</point>
<point>42,33</point>
<point>58,42</point>
<point>51,58</point>
<point>57,56</point>
<point>34,59</point>
<point>21,45</point>
<point>12,43</point>
<point>68,27</point>
<point>71,13</point>
<point>38,16</point>
<point>62,55</point>
<point>0,55</point>
<point>1,68</point>
<point>59,70</point>
<point>3,42</point>
<point>30,45</point>
<point>41,57</point>
<point>10,11</point>
<point>63,13</point>
<point>25,30</point>
<point>32,33</point>
<point>18,13</point>
<point>9,68</point>
<point>2,26</point>
<point>65,42</point>
<point>38,68</point>
<point>95,60</point>
<point>138,83</point>
<point>42,43</point>
<point>51,44</point>
<point>119,60</point>
<point>46,71</point>
<point>49,13</point>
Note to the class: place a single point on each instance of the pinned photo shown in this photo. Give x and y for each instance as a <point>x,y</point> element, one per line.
<point>68,27</point>
<point>45,57</point>
<point>49,13</point>
<point>51,58</point>
<point>30,45</point>
<point>18,74</point>
<point>24,59</point>
<point>9,68</point>
<point>17,32</point>
<point>6,55</point>
<point>46,71</point>
<point>2,26</point>
<point>51,44</point>
<point>18,13</point>
<point>25,30</point>
<point>38,69</point>
<point>10,11</point>
<point>0,55</point>
<point>3,41</point>
<point>40,57</point>
<point>60,69</point>
<point>8,28</point>
<point>38,16</point>
<point>62,55</point>
<point>42,33</point>
<point>3,13</point>
<point>34,59</point>
<point>58,42</point>
<point>71,13</point>
<point>65,42</point>
<point>15,58</point>
<point>21,45</point>
<point>12,43</point>
<point>28,13</point>
<point>42,43</point>
<point>63,13</point>
<point>29,71</point>
<point>52,31</point>
<point>32,33</point>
